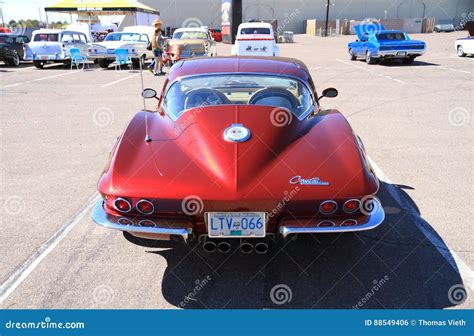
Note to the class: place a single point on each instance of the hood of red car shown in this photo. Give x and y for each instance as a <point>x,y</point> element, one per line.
<point>191,156</point>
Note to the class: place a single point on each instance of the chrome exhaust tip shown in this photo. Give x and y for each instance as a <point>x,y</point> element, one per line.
<point>246,248</point>
<point>224,247</point>
<point>209,246</point>
<point>261,248</point>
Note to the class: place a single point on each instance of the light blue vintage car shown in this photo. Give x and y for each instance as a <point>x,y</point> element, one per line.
<point>375,44</point>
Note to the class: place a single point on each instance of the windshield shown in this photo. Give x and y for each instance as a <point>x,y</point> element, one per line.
<point>260,31</point>
<point>47,37</point>
<point>210,90</point>
<point>123,37</point>
<point>391,36</point>
<point>189,35</point>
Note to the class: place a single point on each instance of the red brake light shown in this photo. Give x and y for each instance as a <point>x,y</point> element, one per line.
<point>351,206</point>
<point>145,207</point>
<point>122,205</point>
<point>328,207</point>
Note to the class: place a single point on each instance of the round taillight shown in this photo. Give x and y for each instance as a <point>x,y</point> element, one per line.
<point>328,207</point>
<point>145,207</point>
<point>122,205</point>
<point>326,223</point>
<point>351,206</point>
<point>349,222</point>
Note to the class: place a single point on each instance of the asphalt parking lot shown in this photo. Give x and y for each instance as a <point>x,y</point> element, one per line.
<point>57,128</point>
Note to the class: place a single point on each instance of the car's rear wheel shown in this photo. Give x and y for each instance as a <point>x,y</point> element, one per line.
<point>461,51</point>
<point>103,63</point>
<point>369,59</point>
<point>353,57</point>
<point>14,61</point>
<point>408,60</point>
<point>38,64</point>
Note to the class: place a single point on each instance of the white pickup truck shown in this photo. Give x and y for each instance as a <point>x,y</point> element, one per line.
<point>53,45</point>
<point>134,39</point>
<point>255,39</point>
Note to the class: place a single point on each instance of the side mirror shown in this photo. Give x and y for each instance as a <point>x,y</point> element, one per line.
<point>329,93</point>
<point>149,93</point>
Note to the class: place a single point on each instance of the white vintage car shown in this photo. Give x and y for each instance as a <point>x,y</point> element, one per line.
<point>134,39</point>
<point>465,46</point>
<point>53,45</point>
<point>255,39</point>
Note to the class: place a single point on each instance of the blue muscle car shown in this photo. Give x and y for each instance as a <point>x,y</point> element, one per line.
<point>375,44</point>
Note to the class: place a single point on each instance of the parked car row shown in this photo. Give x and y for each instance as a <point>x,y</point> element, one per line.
<point>374,44</point>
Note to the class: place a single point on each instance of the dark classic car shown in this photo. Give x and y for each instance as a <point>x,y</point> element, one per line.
<point>375,44</point>
<point>11,48</point>
<point>238,150</point>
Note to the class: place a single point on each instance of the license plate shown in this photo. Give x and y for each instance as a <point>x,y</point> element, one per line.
<point>401,53</point>
<point>44,58</point>
<point>236,224</point>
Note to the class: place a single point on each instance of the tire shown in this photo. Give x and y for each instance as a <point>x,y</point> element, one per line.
<point>103,63</point>
<point>408,60</point>
<point>136,62</point>
<point>369,59</point>
<point>38,64</point>
<point>460,51</point>
<point>14,61</point>
<point>352,57</point>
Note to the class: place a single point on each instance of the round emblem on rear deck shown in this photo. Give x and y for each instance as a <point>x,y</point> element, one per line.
<point>237,133</point>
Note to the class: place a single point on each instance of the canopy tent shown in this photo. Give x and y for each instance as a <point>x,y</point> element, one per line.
<point>94,8</point>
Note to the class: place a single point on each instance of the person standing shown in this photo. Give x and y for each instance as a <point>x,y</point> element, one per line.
<point>157,47</point>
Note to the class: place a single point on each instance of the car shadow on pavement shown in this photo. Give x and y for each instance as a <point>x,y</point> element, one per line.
<point>396,265</point>
<point>398,63</point>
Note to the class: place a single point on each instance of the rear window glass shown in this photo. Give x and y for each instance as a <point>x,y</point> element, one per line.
<point>189,35</point>
<point>259,31</point>
<point>391,37</point>
<point>125,37</point>
<point>237,89</point>
<point>46,37</point>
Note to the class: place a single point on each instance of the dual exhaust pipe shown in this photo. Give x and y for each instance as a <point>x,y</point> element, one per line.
<point>225,247</point>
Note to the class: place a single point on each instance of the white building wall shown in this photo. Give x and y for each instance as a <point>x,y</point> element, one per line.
<point>292,14</point>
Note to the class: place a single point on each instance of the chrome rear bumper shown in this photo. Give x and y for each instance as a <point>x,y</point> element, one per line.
<point>139,225</point>
<point>373,219</point>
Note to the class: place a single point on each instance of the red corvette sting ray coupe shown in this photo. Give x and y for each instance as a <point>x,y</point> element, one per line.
<point>238,147</point>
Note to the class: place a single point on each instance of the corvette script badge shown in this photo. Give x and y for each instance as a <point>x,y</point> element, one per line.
<point>310,181</point>
<point>237,133</point>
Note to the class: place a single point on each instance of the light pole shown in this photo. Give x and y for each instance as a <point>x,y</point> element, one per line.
<point>1,14</point>
<point>327,16</point>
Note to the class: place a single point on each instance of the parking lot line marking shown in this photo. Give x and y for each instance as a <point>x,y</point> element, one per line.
<point>42,78</point>
<point>451,257</point>
<point>119,80</point>
<point>371,72</point>
<point>22,272</point>
<point>454,70</point>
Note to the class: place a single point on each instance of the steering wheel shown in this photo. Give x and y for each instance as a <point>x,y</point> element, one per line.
<point>274,92</point>
<point>204,97</point>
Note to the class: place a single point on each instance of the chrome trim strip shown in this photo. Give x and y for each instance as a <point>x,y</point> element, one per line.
<point>100,217</point>
<point>394,52</point>
<point>126,200</point>
<point>375,218</point>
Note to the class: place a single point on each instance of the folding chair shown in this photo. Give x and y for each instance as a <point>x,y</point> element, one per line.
<point>77,59</point>
<point>122,58</point>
